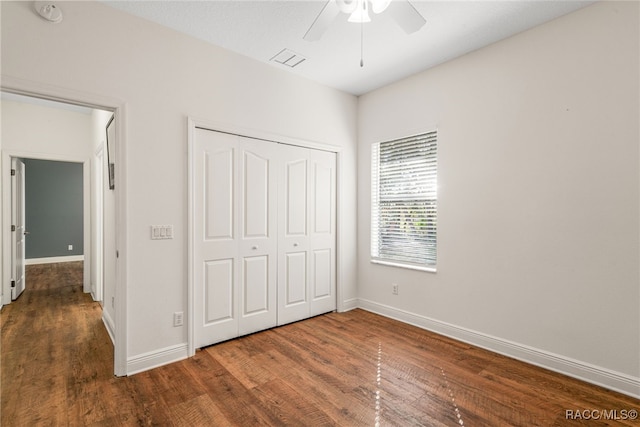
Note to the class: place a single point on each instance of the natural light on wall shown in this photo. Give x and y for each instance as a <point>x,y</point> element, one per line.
<point>404,202</point>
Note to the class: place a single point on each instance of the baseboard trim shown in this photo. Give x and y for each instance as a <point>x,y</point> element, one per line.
<point>612,380</point>
<point>53,259</point>
<point>109,325</point>
<point>348,305</point>
<point>154,359</point>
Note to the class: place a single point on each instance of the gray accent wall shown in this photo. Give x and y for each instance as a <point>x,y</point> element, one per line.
<point>54,208</point>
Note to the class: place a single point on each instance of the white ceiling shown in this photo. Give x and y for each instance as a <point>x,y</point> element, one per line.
<point>261,29</point>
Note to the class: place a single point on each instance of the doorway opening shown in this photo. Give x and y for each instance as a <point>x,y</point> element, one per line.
<point>49,216</point>
<point>40,131</point>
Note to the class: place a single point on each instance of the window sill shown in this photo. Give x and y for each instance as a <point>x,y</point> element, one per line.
<point>402,265</point>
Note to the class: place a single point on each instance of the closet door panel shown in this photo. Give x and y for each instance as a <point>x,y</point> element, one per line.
<point>322,236</point>
<point>256,196</point>
<point>218,291</point>
<point>295,195</point>
<point>215,230</point>
<point>258,243</point>
<point>218,193</point>
<point>295,279</point>
<point>293,242</point>
<point>322,277</point>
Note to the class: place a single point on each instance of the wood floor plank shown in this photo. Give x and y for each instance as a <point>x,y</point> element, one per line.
<point>238,403</point>
<point>199,411</point>
<point>290,404</point>
<point>344,369</point>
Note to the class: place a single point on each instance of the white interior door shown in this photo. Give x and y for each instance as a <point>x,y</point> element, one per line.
<point>17,227</point>
<point>235,240</point>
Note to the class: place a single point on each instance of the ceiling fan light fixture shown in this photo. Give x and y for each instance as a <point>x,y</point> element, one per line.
<point>347,6</point>
<point>379,6</point>
<point>361,13</point>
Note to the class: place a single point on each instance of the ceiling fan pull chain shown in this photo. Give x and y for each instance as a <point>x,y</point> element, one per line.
<point>361,44</point>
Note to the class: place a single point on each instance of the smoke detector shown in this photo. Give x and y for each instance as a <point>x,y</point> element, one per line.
<point>48,11</point>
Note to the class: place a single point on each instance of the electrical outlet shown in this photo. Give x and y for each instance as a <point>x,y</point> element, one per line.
<point>70,247</point>
<point>394,289</point>
<point>178,318</point>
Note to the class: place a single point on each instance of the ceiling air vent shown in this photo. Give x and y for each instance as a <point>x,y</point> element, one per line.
<point>288,58</point>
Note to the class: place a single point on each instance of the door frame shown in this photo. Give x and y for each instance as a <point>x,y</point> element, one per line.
<point>97,188</point>
<point>192,124</point>
<point>118,107</point>
<point>7,157</point>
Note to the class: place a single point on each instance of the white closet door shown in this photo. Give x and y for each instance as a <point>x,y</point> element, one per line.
<point>215,245</point>
<point>322,235</point>
<point>258,238</point>
<point>235,237</point>
<point>264,235</point>
<point>307,234</point>
<point>293,231</point>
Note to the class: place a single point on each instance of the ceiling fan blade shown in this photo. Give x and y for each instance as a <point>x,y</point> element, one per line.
<point>406,16</point>
<point>322,22</point>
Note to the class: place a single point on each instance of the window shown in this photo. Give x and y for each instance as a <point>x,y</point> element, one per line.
<point>404,202</point>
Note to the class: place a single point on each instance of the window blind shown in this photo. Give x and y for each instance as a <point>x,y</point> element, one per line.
<point>404,200</point>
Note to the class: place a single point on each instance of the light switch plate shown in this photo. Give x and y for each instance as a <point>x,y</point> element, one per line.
<point>161,232</point>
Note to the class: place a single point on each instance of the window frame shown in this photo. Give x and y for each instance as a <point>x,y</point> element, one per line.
<point>426,141</point>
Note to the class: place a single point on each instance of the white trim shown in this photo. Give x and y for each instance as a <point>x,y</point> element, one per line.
<point>53,259</point>
<point>191,133</point>
<point>156,358</point>
<point>86,223</point>
<point>350,304</point>
<point>340,304</point>
<point>55,93</point>
<point>403,265</point>
<point>258,134</point>
<point>604,377</point>
<point>108,323</point>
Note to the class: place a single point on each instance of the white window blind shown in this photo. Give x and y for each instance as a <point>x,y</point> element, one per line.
<point>404,201</point>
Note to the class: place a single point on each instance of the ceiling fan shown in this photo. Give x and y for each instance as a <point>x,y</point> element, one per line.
<point>402,11</point>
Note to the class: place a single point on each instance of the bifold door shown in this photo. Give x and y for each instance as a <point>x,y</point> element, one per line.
<point>236,238</point>
<point>264,235</point>
<point>306,245</point>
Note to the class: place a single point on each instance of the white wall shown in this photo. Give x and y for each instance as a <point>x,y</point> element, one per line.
<point>538,219</point>
<point>164,77</point>
<point>42,130</point>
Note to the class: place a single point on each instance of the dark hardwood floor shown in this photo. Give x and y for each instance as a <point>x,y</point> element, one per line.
<point>349,369</point>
